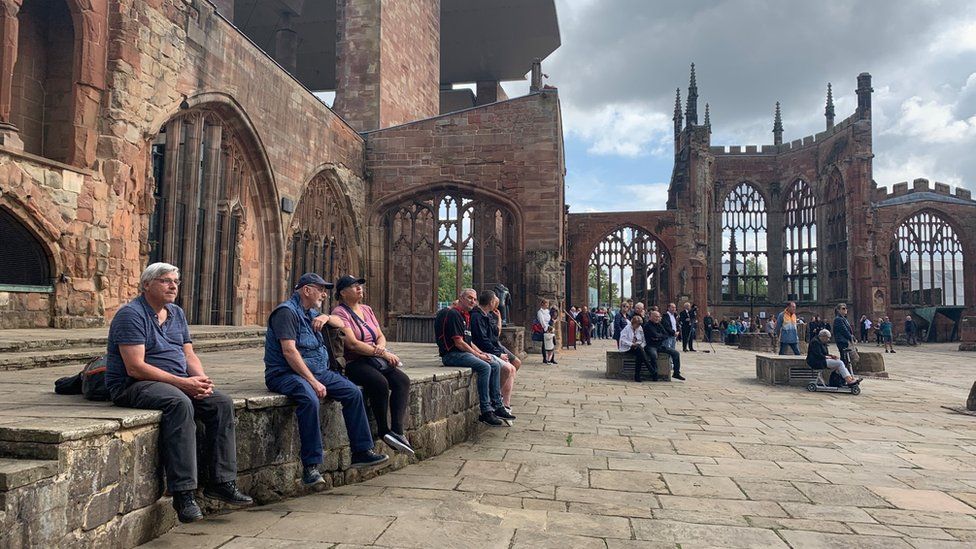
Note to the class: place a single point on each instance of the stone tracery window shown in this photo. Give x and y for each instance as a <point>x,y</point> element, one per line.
<point>800,246</point>
<point>627,263</point>
<point>321,234</point>
<point>835,217</point>
<point>744,258</point>
<point>926,263</point>
<point>204,187</point>
<point>23,260</point>
<point>444,242</point>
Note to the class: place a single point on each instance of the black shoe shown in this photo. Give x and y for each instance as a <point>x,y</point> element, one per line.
<point>490,418</point>
<point>369,458</point>
<point>553,362</point>
<point>678,376</point>
<point>186,506</point>
<point>693,350</point>
<point>227,492</point>
<point>399,443</point>
<point>637,379</point>
<point>502,413</point>
<point>312,478</point>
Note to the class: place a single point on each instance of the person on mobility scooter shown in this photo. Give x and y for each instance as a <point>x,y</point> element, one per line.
<point>819,358</point>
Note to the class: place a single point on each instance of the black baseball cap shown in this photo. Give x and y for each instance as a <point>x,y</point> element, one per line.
<point>312,278</point>
<point>346,281</point>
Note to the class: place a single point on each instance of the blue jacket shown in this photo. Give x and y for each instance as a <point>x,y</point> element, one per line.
<point>619,322</point>
<point>842,332</point>
<point>787,334</point>
<point>309,343</point>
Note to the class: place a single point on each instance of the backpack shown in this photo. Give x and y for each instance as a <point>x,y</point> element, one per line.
<point>90,382</point>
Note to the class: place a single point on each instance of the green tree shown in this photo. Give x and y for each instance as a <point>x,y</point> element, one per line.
<point>599,278</point>
<point>447,290</point>
<point>751,286</point>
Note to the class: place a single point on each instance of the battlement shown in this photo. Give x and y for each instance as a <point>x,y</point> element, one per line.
<point>920,186</point>
<point>793,146</point>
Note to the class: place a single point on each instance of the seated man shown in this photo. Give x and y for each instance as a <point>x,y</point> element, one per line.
<point>656,335</point>
<point>452,330</point>
<point>632,341</point>
<point>151,365</point>
<point>819,358</point>
<point>484,334</point>
<point>296,364</point>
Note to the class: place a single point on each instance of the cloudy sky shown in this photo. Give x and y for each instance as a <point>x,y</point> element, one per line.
<point>621,60</point>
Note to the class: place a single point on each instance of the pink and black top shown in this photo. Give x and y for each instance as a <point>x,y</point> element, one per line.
<point>364,326</point>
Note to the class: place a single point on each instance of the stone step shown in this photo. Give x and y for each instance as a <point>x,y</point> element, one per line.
<point>52,339</point>
<point>80,355</point>
<point>15,473</point>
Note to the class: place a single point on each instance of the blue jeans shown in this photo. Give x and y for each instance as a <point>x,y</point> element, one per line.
<point>794,346</point>
<point>307,403</point>
<point>489,378</point>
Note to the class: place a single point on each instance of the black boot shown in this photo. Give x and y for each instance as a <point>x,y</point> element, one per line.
<point>186,506</point>
<point>227,492</point>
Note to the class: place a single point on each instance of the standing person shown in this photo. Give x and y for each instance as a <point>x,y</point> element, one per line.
<point>770,328</point>
<point>911,330</point>
<point>620,320</point>
<point>586,325</point>
<point>865,325</point>
<point>542,321</point>
<point>708,323</point>
<point>786,330</point>
<point>819,358</point>
<point>843,334</point>
<point>671,322</point>
<point>813,328</point>
<point>686,320</point>
<point>549,346</point>
<point>656,334</point>
<point>694,323</point>
<point>452,330</point>
<point>878,338</point>
<point>484,334</point>
<point>296,364</point>
<point>151,365</point>
<point>632,342</point>
<point>886,334</point>
<point>371,365</point>
<point>598,317</point>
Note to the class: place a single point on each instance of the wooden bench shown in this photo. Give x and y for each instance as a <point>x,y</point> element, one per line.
<point>621,365</point>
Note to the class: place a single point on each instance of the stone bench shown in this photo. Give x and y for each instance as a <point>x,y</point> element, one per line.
<point>764,343</point>
<point>621,366</point>
<point>81,473</point>
<point>793,370</point>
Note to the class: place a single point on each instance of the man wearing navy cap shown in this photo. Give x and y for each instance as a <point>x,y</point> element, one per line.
<point>296,363</point>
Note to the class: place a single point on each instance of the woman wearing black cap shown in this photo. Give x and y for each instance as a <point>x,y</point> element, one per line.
<point>370,365</point>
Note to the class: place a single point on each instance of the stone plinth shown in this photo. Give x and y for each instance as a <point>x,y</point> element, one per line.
<point>971,401</point>
<point>82,473</point>
<point>621,366</point>
<point>967,333</point>
<point>871,364</point>
<point>513,339</point>
<point>759,342</point>
<point>784,370</point>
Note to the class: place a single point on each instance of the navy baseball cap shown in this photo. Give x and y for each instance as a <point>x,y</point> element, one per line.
<point>312,278</point>
<point>346,281</point>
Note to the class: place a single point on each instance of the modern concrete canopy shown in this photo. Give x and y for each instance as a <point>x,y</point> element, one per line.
<point>494,40</point>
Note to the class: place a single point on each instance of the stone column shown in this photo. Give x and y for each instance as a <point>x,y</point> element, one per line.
<point>9,33</point>
<point>286,43</point>
<point>774,247</point>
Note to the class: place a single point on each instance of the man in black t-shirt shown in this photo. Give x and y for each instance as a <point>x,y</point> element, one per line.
<point>452,330</point>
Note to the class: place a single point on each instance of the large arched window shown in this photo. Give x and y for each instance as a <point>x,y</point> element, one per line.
<point>442,243</point>
<point>835,217</point>
<point>800,244</point>
<point>744,258</point>
<point>43,79</point>
<point>628,263</point>
<point>205,194</point>
<point>322,236</point>
<point>23,261</point>
<point>926,263</point>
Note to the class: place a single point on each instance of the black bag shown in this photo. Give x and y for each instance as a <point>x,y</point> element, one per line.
<point>93,380</point>
<point>836,380</point>
<point>70,385</point>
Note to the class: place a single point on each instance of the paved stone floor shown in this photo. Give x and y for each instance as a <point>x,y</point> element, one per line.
<point>717,461</point>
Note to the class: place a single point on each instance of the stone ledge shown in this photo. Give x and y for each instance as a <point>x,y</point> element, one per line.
<point>15,473</point>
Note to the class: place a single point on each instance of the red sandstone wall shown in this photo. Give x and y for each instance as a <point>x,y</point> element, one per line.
<point>96,222</point>
<point>510,152</point>
<point>410,61</point>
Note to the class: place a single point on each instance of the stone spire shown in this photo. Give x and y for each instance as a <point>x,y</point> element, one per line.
<point>677,111</point>
<point>778,127</point>
<point>829,110</point>
<point>691,111</point>
<point>708,118</point>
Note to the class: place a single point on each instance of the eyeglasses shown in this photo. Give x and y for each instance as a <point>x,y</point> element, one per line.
<point>169,281</point>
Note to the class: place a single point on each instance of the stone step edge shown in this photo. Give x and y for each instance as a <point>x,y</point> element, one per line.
<point>67,343</point>
<point>15,473</point>
<point>65,357</point>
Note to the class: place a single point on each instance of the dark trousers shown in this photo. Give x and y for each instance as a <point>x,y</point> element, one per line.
<point>911,338</point>
<point>708,335</point>
<point>795,347</point>
<point>641,359</point>
<point>652,353</point>
<point>307,404</point>
<point>388,392</point>
<point>178,431</point>
<point>687,339</point>
<point>585,334</point>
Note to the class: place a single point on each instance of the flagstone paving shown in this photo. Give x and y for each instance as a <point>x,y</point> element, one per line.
<point>717,461</point>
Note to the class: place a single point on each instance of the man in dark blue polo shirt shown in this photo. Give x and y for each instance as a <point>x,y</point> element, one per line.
<point>452,330</point>
<point>484,334</point>
<point>151,365</point>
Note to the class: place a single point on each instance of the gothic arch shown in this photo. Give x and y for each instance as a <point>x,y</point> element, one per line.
<point>628,248</point>
<point>237,274</point>
<point>833,217</point>
<point>927,260</point>
<point>744,260</point>
<point>800,265</point>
